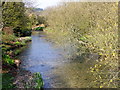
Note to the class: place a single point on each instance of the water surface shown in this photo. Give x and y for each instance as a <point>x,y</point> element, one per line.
<point>57,71</point>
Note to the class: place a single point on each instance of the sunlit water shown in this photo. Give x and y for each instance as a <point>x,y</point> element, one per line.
<point>56,70</point>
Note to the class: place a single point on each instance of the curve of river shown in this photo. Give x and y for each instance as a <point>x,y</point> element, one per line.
<point>57,71</point>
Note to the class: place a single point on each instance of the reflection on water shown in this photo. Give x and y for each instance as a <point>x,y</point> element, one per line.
<point>41,56</point>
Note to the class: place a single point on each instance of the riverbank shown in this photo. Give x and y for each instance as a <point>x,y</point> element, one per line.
<point>12,75</point>
<point>92,29</point>
<point>11,47</point>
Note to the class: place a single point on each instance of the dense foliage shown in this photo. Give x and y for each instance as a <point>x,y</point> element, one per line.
<point>13,15</point>
<point>93,28</point>
<point>37,19</point>
<point>15,24</point>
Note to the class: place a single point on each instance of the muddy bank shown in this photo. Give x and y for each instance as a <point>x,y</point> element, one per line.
<point>26,79</point>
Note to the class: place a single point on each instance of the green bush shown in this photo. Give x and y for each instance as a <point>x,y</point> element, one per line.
<point>21,32</point>
<point>38,80</point>
<point>8,60</point>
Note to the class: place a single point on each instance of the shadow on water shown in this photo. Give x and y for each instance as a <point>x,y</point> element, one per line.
<point>57,72</point>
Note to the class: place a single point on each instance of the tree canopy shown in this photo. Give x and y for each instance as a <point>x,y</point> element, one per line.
<point>13,15</point>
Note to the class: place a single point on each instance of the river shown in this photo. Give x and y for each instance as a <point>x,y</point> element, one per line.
<point>56,70</point>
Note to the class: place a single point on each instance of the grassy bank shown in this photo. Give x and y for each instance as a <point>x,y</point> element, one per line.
<point>91,28</point>
<point>12,77</point>
<point>11,47</point>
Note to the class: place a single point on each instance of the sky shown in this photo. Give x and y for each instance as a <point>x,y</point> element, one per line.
<point>46,3</point>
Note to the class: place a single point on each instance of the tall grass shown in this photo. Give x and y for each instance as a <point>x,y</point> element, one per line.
<point>93,28</point>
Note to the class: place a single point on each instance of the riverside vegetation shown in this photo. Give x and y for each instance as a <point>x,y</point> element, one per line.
<point>91,28</point>
<point>15,34</point>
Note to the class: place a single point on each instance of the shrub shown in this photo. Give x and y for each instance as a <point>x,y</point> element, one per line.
<point>93,28</point>
<point>8,60</point>
<point>7,38</point>
<point>21,32</point>
<point>38,80</point>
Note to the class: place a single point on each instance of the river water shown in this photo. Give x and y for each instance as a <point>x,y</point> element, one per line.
<point>57,71</point>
